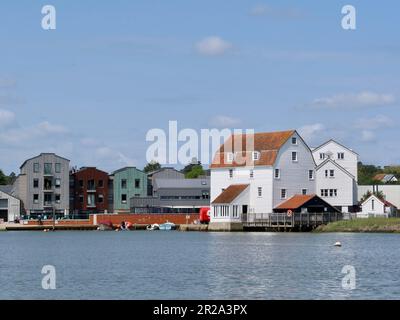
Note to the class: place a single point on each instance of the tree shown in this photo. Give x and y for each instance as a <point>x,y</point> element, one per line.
<point>152,166</point>
<point>3,178</point>
<point>12,177</point>
<point>366,173</point>
<point>379,195</point>
<point>195,171</point>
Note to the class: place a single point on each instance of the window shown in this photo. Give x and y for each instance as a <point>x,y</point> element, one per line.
<point>331,173</point>
<point>373,204</point>
<point>81,183</point>
<point>256,155</point>
<point>91,200</point>
<point>310,174</point>
<point>123,183</point>
<point>100,198</point>
<point>36,183</point>
<point>137,183</point>
<point>251,173</point>
<point>328,192</point>
<point>303,191</point>
<point>324,192</point>
<point>35,198</point>
<point>235,211</point>
<point>58,183</point>
<point>80,198</point>
<point>340,155</point>
<point>322,156</point>
<point>205,195</point>
<point>230,173</point>
<point>277,173</point>
<point>259,191</point>
<point>294,156</point>
<point>91,185</point>
<point>58,167</point>
<point>48,168</point>
<point>294,140</point>
<point>283,193</point>
<point>123,198</point>
<point>58,198</point>
<point>36,167</point>
<point>229,157</point>
<point>100,183</point>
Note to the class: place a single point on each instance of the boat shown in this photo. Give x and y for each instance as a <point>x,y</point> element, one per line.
<point>153,227</point>
<point>105,226</point>
<point>167,226</point>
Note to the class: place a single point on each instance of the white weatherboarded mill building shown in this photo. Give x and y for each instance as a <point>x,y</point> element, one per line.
<point>256,179</point>
<point>10,206</point>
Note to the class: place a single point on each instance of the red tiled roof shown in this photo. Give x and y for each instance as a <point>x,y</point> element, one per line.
<point>295,202</point>
<point>267,143</point>
<point>230,193</point>
<point>379,176</point>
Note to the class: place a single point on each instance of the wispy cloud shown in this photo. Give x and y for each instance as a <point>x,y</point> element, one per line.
<point>377,122</point>
<point>6,118</point>
<point>311,131</point>
<point>264,10</point>
<point>213,46</point>
<point>222,121</point>
<point>353,100</point>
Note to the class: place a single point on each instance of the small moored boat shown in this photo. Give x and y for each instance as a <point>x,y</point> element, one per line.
<point>167,226</point>
<point>153,227</point>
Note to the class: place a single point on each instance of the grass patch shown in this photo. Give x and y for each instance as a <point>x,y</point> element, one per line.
<point>363,225</point>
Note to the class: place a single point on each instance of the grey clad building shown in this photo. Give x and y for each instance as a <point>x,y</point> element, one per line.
<point>43,185</point>
<point>174,195</point>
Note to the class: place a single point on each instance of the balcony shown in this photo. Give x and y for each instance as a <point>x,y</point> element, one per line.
<point>48,204</point>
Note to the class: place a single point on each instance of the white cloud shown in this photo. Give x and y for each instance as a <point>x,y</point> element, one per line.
<point>6,118</point>
<point>311,131</point>
<point>222,121</point>
<point>213,46</point>
<point>377,122</point>
<point>367,136</point>
<point>111,155</point>
<point>275,12</point>
<point>354,100</point>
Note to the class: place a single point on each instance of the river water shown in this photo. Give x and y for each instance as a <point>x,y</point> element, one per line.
<point>199,265</point>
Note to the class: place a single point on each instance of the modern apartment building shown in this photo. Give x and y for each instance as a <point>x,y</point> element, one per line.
<point>43,185</point>
<point>128,182</point>
<point>89,191</point>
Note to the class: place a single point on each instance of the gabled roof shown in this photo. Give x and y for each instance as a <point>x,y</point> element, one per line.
<point>334,141</point>
<point>230,193</point>
<point>296,201</point>
<point>89,168</point>
<point>322,164</point>
<point>43,154</point>
<point>300,200</point>
<point>383,201</point>
<point>125,168</point>
<point>384,177</point>
<point>267,143</point>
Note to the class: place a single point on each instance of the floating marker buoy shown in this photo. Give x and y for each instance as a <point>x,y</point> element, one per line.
<point>337,244</point>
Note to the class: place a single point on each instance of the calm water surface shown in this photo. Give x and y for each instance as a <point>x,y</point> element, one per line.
<point>194,265</point>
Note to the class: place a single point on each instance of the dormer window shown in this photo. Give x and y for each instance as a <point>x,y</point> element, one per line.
<point>256,155</point>
<point>229,157</point>
<point>294,140</point>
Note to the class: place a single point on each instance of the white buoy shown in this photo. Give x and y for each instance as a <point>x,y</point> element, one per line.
<point>338,244</point>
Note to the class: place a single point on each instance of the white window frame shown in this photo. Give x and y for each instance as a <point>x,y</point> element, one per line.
<point>255,155</point>
<point>230,173</point>
<point>340,155</point>
<point>321,156</point>
<point>259,192</point>
<point>297,156</point>
<point>295,141</point>
<point>251,174</point>
<point>302,191</point>
<point>311,175</point>
<point>283,190</point>
<point>331,173</point>
<point>279,173</point>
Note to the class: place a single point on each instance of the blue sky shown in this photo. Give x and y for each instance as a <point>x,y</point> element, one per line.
<point>112,70</point>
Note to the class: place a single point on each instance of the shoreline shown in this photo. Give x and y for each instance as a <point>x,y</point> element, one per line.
<point>362,225</point>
